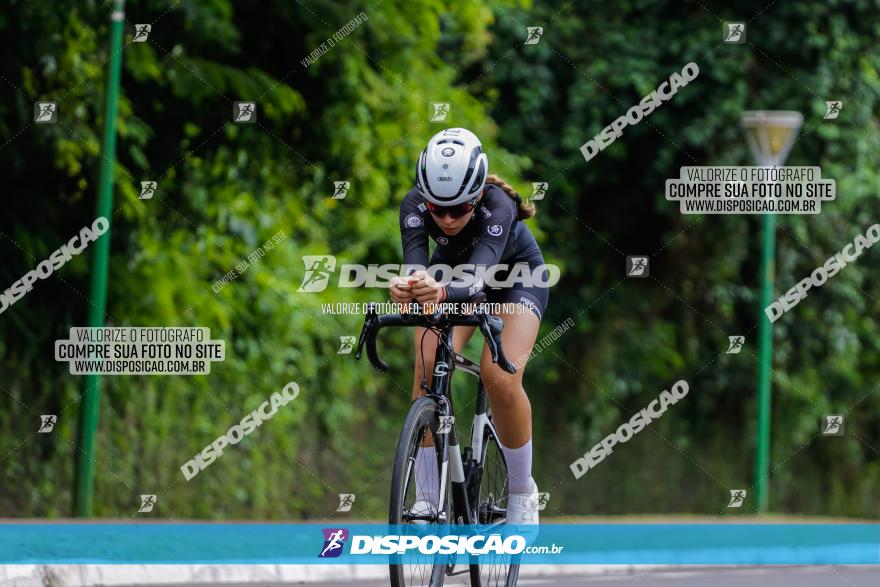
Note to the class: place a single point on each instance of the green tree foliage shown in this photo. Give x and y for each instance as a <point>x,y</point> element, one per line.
<point>638,336</point>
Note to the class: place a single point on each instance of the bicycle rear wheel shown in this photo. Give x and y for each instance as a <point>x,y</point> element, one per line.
<point>491,511</point>
<point>412,570</point>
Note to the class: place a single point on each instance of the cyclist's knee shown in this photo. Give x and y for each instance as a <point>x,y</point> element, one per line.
<point>500,384</point>
<point>504,386</point>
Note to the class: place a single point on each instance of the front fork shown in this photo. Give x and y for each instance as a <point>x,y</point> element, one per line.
<point>465,467</point>
<point>464,477</point>
<point>474,453</point>
<point>453,468</point>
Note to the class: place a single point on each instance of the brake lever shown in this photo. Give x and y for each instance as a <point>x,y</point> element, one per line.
<point>369,320</point>
<point>491,327</point>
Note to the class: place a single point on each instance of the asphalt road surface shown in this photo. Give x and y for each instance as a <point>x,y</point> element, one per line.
<point>714,577</point>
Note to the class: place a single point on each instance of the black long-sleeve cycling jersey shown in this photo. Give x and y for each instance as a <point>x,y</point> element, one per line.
<point>493,235</point>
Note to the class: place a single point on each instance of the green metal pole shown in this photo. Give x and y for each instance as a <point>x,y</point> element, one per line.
<point>88,413</point>
<point>765,364</point>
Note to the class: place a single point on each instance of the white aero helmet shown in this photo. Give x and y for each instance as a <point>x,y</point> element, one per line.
<point>452,169</point>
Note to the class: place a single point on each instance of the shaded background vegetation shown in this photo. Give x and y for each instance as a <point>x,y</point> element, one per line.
<point>361,113</point>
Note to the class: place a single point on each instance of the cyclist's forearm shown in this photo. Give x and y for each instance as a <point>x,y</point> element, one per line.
<point>415,253</point>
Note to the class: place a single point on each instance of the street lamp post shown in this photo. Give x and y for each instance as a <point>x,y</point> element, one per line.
<point>771,135</point>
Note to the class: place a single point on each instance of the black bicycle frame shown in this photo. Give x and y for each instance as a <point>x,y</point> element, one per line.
<point>460,467</point>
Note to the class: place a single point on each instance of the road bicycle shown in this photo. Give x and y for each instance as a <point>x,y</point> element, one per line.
<point>473,480</point>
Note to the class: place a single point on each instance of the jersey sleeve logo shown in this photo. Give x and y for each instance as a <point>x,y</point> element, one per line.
<point>422,207</point>
<point>485,211</point>
<point>412,220</point>
<point>495,230</point>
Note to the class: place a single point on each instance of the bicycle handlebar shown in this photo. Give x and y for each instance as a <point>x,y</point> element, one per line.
<point>490,326</point>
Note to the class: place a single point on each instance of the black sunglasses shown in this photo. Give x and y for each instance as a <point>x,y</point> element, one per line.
<point>454,211</point>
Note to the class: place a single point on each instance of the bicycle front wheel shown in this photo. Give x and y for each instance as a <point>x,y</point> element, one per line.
<point>413,570</point>
<point>491,511</point>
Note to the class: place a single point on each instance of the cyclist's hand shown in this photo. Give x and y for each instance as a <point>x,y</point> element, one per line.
<point>425,289</point>
<point>400,290</point>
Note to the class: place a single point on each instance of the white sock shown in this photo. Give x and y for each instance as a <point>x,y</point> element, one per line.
<point>519,467</point>
<point>427,476</point>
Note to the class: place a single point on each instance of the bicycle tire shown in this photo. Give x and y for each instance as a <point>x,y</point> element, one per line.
<point>423,413</point>
<point>482,574</point>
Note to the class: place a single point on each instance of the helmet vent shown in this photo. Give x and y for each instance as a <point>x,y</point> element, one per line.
<point>478,180</point>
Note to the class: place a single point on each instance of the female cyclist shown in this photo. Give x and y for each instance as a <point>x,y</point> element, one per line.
<point>474,218</point>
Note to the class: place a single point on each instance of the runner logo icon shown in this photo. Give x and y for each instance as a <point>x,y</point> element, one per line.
<point>736,32</point>
<point>543,498</point>
<point>340,189</point>
<point>832,109</point>
<point>244,112</point>
<point>346,344</point>
<point>832,426</point>
<point>736,343</point>
<point>148,188</point>
<point>534,34</point>
<point>147,503</point>
<point>346,500</point>
<point>45,112</point>
<point>47,423</point>
<point>539,190</point>
<point>318,270</point>
<point>737,496</point>
<point>334,541</point>
<point>636,266</point>
<point>441,111</point>
<point>141,32</point>
<point>446,423</point>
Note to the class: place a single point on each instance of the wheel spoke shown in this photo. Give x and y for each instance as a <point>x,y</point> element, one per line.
<point>414,569</point>
<point>491,513</point>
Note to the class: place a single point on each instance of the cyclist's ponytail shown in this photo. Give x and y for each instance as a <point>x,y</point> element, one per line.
<point>524,209</point>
